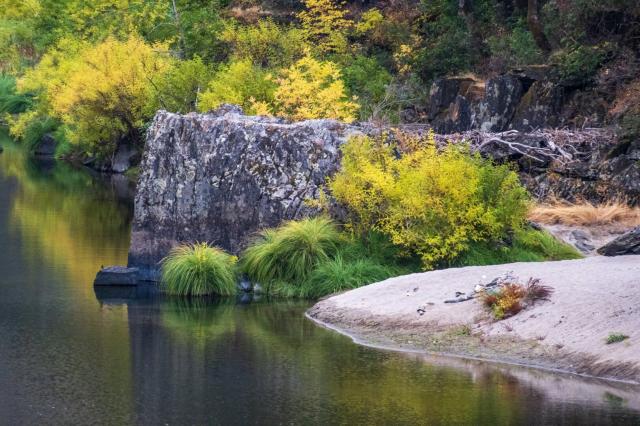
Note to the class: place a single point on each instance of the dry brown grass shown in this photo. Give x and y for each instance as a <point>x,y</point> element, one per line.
<point>586,214</point>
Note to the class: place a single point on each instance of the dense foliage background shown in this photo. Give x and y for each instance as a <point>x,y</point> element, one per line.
<point>93,73</point>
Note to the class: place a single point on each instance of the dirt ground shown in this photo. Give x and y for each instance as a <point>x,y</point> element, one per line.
<point>593,298</point>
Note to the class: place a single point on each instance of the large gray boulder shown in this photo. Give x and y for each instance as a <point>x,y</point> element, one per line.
<point>628,243</point>
<point>223,176</point>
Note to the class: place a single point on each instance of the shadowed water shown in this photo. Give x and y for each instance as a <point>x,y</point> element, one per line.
<point>71,356</point>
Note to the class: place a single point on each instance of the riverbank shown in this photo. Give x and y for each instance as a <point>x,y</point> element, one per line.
<point>593,298</point>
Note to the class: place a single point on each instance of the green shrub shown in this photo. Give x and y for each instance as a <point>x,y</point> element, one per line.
<point>198,270</point>
<point>431,202</point>
<point>289,253</point>
<point>176,90</point>
<point>515,48</point>
<point>527,245</point>
<point>241,83</point>
<point>12,102</point>
<point>366,79</point>
<point>265,44</point>
<point>447,46</point>
<point>578,64</point>
<point>37,129</point>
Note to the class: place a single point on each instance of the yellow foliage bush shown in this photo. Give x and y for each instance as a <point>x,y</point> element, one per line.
<point>265,44</point>
<point>325,25</point>
<point>314,89</point>
<point>240,83</point>
<point>430,202</point>
<point>101,94</point>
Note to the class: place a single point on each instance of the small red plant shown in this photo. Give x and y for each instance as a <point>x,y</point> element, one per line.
<point>511,297</point>
<point>536,291</point>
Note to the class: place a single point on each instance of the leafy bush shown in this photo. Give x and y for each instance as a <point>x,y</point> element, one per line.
<point>12,102</point>
<point>31,126</point>
<point>37,129</point>
<point>578,64</point>
<point>516,48</point>
<point>366,80</point>
<point>313,89</point>
<point>241,83</point>
<point>430,202</point>
<point>101,92</point>
<point>325,25</point>
<point>177,89</point>
<point>291,252</point>
<point>266,44</point>
<point>447,43</point>
<point>198,270</point>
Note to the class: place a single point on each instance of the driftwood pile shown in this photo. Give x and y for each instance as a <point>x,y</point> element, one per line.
<point>543,146</point>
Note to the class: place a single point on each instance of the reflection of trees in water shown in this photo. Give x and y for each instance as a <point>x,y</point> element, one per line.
<point>66,359</point>
<point>65,216</point>
<point>218,362</point>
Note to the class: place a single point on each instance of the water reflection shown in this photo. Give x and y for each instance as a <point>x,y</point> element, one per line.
<point>58,210</point>
<point>222,362</point>
<point>62,358</point>
<point>72,355</point>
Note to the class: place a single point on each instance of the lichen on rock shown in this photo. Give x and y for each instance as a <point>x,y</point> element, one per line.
<point>221,177</point>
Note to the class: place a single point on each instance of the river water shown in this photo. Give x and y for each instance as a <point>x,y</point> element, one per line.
<point>71,356</point>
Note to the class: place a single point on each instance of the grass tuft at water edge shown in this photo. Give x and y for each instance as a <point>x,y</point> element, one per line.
<point>198,270</point>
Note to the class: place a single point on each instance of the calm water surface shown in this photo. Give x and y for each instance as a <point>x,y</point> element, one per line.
<point>71,356</point>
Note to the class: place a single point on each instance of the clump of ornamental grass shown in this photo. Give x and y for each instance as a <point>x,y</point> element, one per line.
<point>198,270</point>
<point>341,274</point>
<point>511,298</point>
<point>525,245</point>
<point>290,252</point>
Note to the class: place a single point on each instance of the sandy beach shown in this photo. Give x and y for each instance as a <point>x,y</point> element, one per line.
<point>593,298</point>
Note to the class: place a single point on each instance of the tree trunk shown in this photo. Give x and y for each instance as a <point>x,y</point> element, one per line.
<point>533,20</point>
<point>181,43</point>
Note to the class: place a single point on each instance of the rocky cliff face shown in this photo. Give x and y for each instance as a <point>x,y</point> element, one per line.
<point>220,177</point>
<point>524,100</point>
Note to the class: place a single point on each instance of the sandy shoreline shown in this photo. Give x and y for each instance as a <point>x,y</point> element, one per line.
<point>593,298</point>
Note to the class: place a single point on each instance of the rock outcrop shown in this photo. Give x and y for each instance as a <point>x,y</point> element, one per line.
<point>221,177</point>
<point>628,243</point>
<point>524,100</point>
